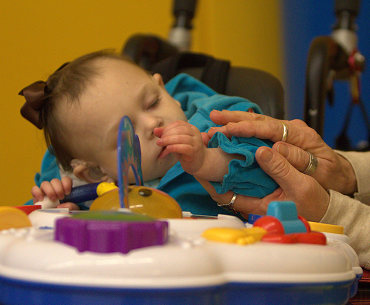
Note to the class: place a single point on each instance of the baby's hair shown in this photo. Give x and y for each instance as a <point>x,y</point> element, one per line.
<point>67,85</point>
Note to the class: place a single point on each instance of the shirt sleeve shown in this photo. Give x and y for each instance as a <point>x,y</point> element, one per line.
<point>244,177</point>
<point>354,217</point>
<point>360,162</point>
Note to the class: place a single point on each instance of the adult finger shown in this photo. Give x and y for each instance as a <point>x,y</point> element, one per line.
<point>205,138</point>
<point>226,116</point>
<point>221,129</point>
<point>247,124</point>
<point>278,168</point>
<point>311,198</point>
<point>327,165</point>
<point>296,156</point>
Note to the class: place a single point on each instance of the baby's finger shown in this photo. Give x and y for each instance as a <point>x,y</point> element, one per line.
<point>186,129</point>
<point>175,126</point>
<point>48,190</point>
<point>69,205</point>
<point>37,194</point>
<point>176,139</point>
<point>205,138</point>
<point>158,131</point>
<point>183,150</point>
<point>58,188</point>
<point>66,184</point>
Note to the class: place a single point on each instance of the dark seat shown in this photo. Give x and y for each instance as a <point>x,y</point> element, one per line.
<point>260,87</point>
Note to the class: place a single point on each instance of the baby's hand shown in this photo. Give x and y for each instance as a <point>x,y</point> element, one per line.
<point>55,190</point>
<point>185,142</point>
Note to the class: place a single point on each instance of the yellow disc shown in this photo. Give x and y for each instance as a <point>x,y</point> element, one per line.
<point>141,200</point>
<point>109,201</point>
<point>13,218</point>
<point>153,203</point>
<point>325,228</point>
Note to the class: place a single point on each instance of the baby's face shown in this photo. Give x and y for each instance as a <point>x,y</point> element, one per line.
<point>121,90</point>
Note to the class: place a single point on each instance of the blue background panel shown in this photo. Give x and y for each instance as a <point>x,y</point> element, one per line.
<point>302,22</point>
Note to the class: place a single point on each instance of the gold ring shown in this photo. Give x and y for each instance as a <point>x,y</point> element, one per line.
<point>285,132</point>
<point>229,206</point>
<point>312,165</point>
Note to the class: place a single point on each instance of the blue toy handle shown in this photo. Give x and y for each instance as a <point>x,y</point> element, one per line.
<point>82,193</point>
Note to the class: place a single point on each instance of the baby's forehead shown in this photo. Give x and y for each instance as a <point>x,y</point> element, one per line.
<point>109,64</point>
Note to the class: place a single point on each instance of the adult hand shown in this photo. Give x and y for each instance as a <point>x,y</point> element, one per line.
<point>332,172</point>
<point>310,197</point>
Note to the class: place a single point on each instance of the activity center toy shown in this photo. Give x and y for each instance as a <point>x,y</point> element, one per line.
<point>112,254</point>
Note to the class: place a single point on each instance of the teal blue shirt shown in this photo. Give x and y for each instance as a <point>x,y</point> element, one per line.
<point>245,176</point>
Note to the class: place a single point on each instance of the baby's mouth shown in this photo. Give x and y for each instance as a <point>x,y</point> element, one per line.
<point>163,153</point>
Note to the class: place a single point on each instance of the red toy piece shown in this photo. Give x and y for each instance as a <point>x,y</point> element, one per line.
<point>28,208</point>
<point>304,238</point>
<point>285,214</point>
<point>271,224</point>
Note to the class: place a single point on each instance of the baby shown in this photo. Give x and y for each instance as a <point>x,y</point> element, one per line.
<point>80,107</point>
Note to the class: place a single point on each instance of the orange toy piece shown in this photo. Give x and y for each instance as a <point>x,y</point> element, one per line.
<point>11,217</point>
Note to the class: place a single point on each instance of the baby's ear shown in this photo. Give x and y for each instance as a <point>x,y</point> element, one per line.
<point>87,173</point>
<point>158,78</point>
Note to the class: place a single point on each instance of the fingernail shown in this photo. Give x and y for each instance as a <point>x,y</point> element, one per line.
<point>266,155</point>
<point>283,150</point>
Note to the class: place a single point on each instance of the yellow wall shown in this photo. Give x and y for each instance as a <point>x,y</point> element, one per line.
<point>38,36</point>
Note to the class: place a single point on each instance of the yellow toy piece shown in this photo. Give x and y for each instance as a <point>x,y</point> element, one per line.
<point>325,228</point>
<point>13,218</point>
<point>105,187</point>
<point>234,235</point>
<point>142,200</point>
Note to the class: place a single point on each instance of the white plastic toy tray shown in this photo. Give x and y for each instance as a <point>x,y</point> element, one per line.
<point>36,269</point>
